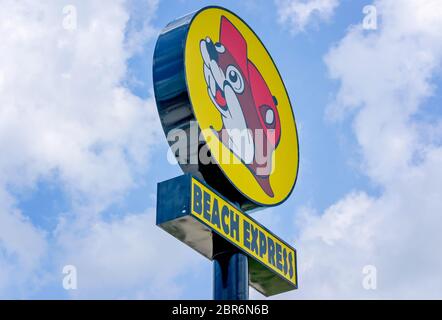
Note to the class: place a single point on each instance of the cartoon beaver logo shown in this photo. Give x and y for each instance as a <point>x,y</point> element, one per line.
<point>251,124</point>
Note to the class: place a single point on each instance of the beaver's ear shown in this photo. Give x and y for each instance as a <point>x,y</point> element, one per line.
<point>275,101</point>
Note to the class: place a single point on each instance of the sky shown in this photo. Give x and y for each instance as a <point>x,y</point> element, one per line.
<point>82,149</point>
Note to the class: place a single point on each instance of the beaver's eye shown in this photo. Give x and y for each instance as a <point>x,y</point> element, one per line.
<point>233,76</point>
<point>219,47</point>
<point>235,79</point>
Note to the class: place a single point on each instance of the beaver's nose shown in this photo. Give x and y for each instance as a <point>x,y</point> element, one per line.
<point>213,54</point>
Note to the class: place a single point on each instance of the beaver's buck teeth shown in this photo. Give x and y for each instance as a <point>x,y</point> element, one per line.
<point>217,73</point>
<point>204,52</point>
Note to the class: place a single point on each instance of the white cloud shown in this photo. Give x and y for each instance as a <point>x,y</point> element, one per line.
<point>298,14</point>
<point>127,257</point>
<point>22,246</point>
<point>385,78</point>
<point>81,127</point>
<point>140,27</point>
<point>66,119</point>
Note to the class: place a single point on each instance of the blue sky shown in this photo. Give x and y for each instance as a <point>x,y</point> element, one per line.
<point>83,149</point>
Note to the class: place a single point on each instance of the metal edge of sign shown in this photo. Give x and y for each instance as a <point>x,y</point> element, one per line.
<point>174,214</point>
<point>246,202</point>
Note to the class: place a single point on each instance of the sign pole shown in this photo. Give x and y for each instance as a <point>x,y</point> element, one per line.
<point>230,271</point>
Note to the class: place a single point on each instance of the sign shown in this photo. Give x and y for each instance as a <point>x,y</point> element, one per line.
<point>199,210</point>
<point>230,125</point>
<point>211,69</point>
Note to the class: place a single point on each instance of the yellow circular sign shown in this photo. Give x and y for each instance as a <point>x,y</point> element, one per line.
<point>241,105</point>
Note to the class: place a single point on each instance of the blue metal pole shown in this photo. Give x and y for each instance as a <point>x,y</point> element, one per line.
<point>231,274</point>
